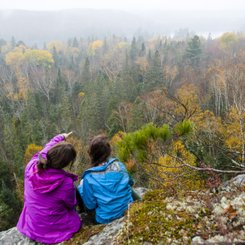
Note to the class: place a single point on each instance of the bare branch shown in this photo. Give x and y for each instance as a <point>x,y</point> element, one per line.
<point>206,168</point>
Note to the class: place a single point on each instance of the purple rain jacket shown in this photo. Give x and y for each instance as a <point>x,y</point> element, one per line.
<point>48,215</point>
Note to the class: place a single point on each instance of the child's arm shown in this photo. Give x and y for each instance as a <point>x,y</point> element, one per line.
<point>88,195</point>
<point>54,141</point>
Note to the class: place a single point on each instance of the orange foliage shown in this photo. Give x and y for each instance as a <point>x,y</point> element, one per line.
<point>142,63</point>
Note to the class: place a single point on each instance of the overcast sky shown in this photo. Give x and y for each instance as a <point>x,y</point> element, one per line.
<point>122,4</point>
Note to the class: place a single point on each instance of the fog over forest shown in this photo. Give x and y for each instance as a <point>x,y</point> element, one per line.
<point>37,27</point>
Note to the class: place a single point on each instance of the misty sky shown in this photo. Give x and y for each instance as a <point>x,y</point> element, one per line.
<point>123,4</point>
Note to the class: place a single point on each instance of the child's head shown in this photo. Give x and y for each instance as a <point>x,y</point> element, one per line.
<point>59,156</point>
<point>99,149</point>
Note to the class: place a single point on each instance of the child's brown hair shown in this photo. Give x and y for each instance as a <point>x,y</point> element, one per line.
<point>59,156</point>
<point>99,149</point>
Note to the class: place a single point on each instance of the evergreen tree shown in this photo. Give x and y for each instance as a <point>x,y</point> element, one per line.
<point>13,42</point>
<point>86,75</point>
<point>142,50</point>
<point>155,73</point>
<point>75,43</point>
<point>133,50</point>
<point>193,51</point>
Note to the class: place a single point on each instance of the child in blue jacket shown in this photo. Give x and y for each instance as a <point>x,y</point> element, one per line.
<point>106,187</point>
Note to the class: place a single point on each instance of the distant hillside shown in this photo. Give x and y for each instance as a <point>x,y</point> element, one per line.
<point>40,26</point>
<point>37,27</point>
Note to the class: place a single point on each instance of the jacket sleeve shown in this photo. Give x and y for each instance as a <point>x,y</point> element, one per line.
<point>54,141</point>
<point>131,180</point>
<point>88,195</point>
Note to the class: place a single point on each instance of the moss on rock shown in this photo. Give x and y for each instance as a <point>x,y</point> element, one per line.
<point>84,234</point>
<point>152,221</point>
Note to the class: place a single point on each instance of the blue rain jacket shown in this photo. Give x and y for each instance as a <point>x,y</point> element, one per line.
<point>107,189</point>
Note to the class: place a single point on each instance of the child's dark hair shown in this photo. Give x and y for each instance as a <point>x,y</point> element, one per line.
<point>99,149</point>
<point>59,156</point>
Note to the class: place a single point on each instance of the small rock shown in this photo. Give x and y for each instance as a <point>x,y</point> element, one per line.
<point>197,240</point>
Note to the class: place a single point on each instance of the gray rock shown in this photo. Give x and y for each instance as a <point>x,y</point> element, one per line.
<point>108,234</point>
<point>197,240</point>
<point>14,237</point>
<point>238,181</point>
<point>141,191</point>
<point>235,182</point>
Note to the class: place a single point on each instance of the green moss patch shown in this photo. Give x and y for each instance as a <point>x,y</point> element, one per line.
<point>152,221</point>
<point>84,234</point>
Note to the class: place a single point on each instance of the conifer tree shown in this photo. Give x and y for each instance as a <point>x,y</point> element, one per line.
<point>194,51</point>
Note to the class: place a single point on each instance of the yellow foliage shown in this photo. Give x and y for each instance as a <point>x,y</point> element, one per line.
<point>20,54</point>
<point>170,163</point>
<point>235,130</point>
<point>81,94</point>
<point>233,142</point>
<point>39,56</point>
<point>227,39</point>
<point>208,122</point>
<point>21,93</point>
<point>58,45</point>
<point>187,94</point>
<point>117,138</point>
<point>94,46</point>
<point>97,44</point>
<point>15,57</point>
<point>173,173</point>
<point>30,151</point>
<point>180,150</point>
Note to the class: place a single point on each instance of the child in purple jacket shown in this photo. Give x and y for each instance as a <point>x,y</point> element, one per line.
<point>48,215</point>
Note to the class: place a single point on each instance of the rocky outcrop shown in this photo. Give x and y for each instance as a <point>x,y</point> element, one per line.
<point>206,217</point>
<point>228,214</point>
<point>105,235</point>
<point>214,216</point>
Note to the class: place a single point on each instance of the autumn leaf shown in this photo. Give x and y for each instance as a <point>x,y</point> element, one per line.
<point>230,211</point>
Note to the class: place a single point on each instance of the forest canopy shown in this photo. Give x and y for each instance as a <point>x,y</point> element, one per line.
<point>165,102</point>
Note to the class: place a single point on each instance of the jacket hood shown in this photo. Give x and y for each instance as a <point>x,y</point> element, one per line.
<point>99,168</point>
<point>47,180</point>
